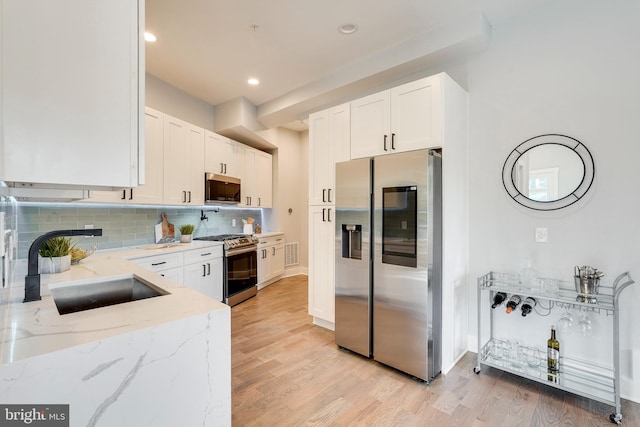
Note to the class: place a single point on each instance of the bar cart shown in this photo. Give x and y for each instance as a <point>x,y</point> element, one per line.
<point>590,380</point>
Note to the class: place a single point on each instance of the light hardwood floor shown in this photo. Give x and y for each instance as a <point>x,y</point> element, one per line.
<point>288,372</point>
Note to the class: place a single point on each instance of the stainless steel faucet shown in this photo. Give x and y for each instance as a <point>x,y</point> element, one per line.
<point>32,279</point>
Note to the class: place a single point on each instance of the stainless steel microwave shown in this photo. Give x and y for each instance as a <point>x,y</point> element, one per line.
<point>221,189</point>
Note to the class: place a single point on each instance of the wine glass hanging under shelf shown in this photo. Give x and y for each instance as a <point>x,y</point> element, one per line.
<point>560,293</point>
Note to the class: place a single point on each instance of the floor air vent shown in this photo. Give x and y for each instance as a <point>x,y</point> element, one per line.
<point>290,254</point>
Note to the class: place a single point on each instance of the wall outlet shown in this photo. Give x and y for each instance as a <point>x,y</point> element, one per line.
<point>233,222</point>
<point>542,235</point>
<point>88,226</point>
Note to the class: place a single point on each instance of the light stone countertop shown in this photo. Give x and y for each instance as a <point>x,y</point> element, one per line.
<point>269,234</point>
<point>35,328</point>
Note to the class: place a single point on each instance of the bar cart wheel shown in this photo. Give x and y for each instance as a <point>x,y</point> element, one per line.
<point>616,418</point>
<point>476,370</point>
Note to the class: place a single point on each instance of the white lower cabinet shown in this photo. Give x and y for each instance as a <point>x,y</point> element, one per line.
<point>270,258</point>
<point>160,263</point>
<point>322,265</point>
<point>198,269</point>
<point>203,271</point>
<point>174,274</point>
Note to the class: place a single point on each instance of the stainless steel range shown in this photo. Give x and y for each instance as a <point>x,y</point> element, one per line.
<point>240,266</point>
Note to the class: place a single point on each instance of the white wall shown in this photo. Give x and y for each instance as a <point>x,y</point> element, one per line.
<point>171,100</point>
<point>571,67</point>
<point>289,192</point>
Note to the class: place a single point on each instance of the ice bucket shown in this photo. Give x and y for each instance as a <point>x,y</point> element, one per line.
<point>587,285</point>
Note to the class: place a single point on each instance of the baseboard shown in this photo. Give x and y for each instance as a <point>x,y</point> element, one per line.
<point>324,324</point>
<point>295,271</point>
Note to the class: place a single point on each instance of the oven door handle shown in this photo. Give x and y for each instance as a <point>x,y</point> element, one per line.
<point>244,250</point>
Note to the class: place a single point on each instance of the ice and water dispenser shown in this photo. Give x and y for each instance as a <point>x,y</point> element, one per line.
<point>352,241</point>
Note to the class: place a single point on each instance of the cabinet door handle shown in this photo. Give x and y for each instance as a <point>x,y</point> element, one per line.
<point>189,195</point>
<point>221,167</point>
<point>250,200</point>
<point>184,197</point>
<point>274,251</point>
<point>124,195</point>
<point>225,168</point>
<point>131,194</point>
<point>208,253</point>
<point>259,201</point>
<point>158,263</point>
<point>393,141</point>
<point>329,215</point>
<point>323,220</point>
<point>385,143</point>
<point>324,195</point>
<point>329,192</point>
<point>204,270</point>
<point>208,269</point>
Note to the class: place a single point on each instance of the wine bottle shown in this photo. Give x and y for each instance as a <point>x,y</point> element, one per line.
<point>513,302</point>
<point>553,356</point>
<point>498,299</point>
<point>527,305</point>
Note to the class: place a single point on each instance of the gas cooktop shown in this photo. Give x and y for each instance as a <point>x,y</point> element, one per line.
<point>232,240</point>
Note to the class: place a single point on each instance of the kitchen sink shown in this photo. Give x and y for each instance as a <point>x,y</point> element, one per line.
<point>102,292</point>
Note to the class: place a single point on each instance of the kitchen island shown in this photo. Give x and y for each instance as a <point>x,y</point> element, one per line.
<point>161,361</point>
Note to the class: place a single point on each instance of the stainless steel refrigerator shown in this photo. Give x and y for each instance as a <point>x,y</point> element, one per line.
<point>389,282</point>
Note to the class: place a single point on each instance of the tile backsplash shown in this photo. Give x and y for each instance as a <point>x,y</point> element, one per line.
<point>122,225</point>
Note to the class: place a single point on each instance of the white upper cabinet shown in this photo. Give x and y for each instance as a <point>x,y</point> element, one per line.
<point>256,177</point>
<point>221,155</point>
<point>405,118</point>
<point>151,191</point>
<point>72,92</point>
<point>264,179</point>
<point>183,163</point>
<point>329,143</point>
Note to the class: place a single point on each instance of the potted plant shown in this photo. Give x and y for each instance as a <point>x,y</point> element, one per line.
<point>186,232</point>
<point>54,255</point>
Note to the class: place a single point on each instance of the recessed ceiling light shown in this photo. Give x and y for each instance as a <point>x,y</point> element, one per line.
<point>348,28</point>
<point>253,81</point>
<point>149,37</point>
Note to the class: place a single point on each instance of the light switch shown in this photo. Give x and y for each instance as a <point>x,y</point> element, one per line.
<point>542,235</point>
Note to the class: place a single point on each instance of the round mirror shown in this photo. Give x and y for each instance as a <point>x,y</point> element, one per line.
<point>548,172</point>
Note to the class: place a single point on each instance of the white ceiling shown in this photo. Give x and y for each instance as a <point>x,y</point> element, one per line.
<point>208,49</point>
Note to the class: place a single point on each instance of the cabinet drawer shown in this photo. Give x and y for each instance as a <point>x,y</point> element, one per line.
<point>200,255</point>
<point>160,262</point>
<point>269,241</point>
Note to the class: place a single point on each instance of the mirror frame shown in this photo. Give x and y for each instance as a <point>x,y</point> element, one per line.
<point>549,139</point>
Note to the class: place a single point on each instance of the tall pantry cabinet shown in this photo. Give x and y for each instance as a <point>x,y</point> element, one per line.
<point>329,134</point>
<point>72,93</point>
<point>427,113</point>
